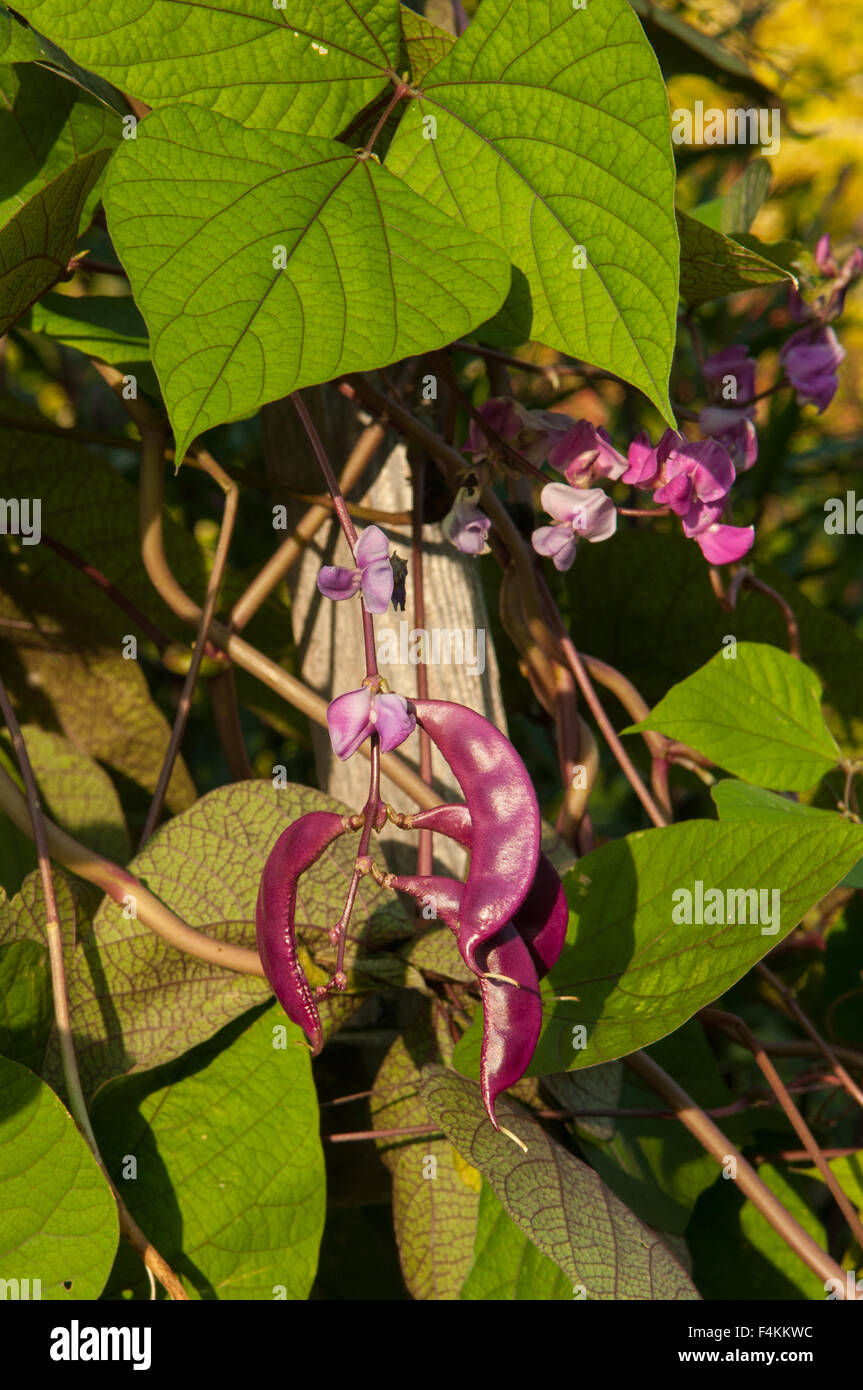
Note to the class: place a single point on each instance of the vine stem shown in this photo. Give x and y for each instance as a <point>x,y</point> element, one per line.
<point>214,584</point>
<point>425,844</point>
<point>711,1137</point>
<point>790,1001</point>
<point>129,1228</point>
<point>735,1027</point>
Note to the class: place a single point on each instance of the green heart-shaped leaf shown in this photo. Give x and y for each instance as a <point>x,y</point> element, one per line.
<point>267,262</point>
<point>547,129</point>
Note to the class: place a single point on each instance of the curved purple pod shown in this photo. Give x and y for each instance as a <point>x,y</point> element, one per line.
<point>543,917</point>
<point>512,1016</point>
<point>296,850</point>
<point>500,798</point>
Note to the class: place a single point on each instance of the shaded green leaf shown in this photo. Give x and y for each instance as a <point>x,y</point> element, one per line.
<point>46,125</point>
<point>305,67</point>
<point>435,1194</point>
<point>229,1177</point>
<point>636,972</point>
<point>424,44</point>
<point>38,241</point>
<point>741,204</point>
<point>59,1218</point>
<point>296,260</point>
<point>506,1266</point>
<point>109,327</point>
<point>26,1003</point>
<point>558,1202</point>
<point>552,133</point>
<point>758,715</point>
<point>713,265</point>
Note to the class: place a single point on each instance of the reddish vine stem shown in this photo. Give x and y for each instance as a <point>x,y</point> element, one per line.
<point>128,1227</point>
<point>425,843</point>
<point>156,636</point>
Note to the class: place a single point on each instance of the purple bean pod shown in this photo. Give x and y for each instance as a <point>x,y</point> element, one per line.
<point>543,917</point>
<point>512,1014</point>
<point>500,798</point>
<point>296,849</point>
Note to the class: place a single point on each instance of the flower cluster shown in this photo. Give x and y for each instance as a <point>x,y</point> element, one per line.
<point>811,356</point>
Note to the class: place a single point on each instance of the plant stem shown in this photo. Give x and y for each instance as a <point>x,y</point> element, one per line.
<point>715,1142</point>
<point>214,584</point>
<point>156,636</point>
<point>789,999</point>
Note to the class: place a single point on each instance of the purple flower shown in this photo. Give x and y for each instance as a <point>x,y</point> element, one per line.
<point>692,473</point>
<point>465,526</point>
<point>827,307</point>
<point>577,512</point>
<point>824,257</point>
<point>732,374</point>
<point>530,432</point>
<point>734,431</point>
<point>810,358</point>
<point>585,453</point>
<point>373,575</point>
<point>352,717</point>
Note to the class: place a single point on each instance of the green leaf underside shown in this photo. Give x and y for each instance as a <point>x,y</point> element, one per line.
<point>38,241</point>
<point>26,1006</point>
<point>553,132</point>
<point>59,1218</point>
<point>308,67</point>
<point>637,973</point>
<point>758,715</point>
<point>373,273</point>
<point>713,265</point>
<point>557,1201</point>
<point>230,1183</point>
<point>738,801</point>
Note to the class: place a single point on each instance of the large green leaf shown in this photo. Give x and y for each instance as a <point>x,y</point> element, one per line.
<point>307,66</point>
<point>638,974</point>
<point>758,714</point>
<point>559,1203</point>
<point>713,265</point>
<point>59,1217</point>
<point>46,125</point>
<point>368,272</point>
<point>435,1194</point>
<point>229,1182</point>
<point>552,133</point>
<point>506,1265</point>
<point>738,801</point>
<point>139,1002</point>
<point>38,241</point>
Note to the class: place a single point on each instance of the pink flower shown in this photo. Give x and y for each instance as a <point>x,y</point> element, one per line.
<point>692,473</point>
<point>465,526</point>
<point>810,358</point>
<point>373,575</point>
<point>352,717</point>
<point>731,373</point>
<point>734,431</point>
<point>721,545</point>
<point>530,432</point>
<point>577,512</point>
<point>643,464</point>
<point>585,453</point>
